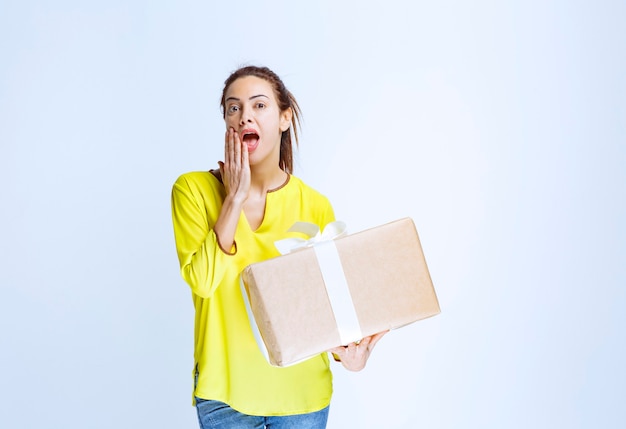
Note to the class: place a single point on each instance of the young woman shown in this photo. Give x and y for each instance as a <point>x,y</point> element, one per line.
<point>228,218</point>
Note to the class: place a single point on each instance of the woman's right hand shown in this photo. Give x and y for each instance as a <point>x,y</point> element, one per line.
<point>235,172</point>
<point>235,169</point>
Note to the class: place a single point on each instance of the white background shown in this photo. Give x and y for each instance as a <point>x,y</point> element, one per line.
<point>497,126</point>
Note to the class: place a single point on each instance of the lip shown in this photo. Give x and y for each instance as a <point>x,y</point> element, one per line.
<point>248,131</point>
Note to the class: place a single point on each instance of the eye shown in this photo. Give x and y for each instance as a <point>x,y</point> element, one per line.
<point>233,108</point>
<point>260,105</point>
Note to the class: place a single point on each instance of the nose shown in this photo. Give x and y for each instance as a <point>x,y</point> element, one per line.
<point>246,115</point>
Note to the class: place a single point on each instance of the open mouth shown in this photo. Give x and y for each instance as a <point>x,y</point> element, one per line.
<point>251,139</point>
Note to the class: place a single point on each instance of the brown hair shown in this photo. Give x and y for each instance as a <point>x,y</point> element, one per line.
<point>286,100</point>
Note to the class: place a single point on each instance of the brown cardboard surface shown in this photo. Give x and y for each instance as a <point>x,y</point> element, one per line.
<point>387,276</point>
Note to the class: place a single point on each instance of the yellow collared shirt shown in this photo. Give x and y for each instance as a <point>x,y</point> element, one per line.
<point>229,367</point>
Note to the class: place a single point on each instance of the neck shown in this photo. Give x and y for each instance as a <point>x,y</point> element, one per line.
<point>265,179</point>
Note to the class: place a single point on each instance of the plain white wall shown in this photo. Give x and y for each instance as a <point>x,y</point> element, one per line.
<point>498,127</point>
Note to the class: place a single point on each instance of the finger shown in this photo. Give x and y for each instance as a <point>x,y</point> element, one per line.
<point>352,347</point>
<point>245,155</point>
<point>365,341</point>
<point>376,338</point>
<point>339,351</point>
<point>233,149</point>
<point>237,148</point>
<point>228,145</point>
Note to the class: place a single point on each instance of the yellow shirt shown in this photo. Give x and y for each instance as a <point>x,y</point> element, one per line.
<point>229,367</point>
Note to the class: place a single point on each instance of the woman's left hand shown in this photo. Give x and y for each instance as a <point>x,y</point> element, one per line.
<point>354,356</point>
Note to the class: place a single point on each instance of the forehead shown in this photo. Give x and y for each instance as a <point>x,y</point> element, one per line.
<point>249,86</point>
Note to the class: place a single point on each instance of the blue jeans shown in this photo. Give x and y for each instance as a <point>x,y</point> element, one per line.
<point>218,415</point>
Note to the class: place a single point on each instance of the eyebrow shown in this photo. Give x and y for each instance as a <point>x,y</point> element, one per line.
<point>251,98</point>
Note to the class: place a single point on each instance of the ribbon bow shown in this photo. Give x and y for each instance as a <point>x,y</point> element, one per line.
<point>331,231</point>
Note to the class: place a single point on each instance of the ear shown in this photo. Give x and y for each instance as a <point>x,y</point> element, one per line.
<point>285,119</point>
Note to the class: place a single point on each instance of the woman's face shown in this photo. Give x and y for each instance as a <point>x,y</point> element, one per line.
<point>251,109</point>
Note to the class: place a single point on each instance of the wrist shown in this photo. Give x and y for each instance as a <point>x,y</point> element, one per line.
<point>234,202</point>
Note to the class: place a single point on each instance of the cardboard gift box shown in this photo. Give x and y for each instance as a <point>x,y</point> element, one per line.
<point>338,291</point>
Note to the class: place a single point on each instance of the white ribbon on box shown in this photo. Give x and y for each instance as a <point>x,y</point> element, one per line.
<point>332,274</point>
<point>331,231</point>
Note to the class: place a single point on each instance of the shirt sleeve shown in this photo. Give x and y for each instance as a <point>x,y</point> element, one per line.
<point>202,261</point>
<point>328,214</point>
